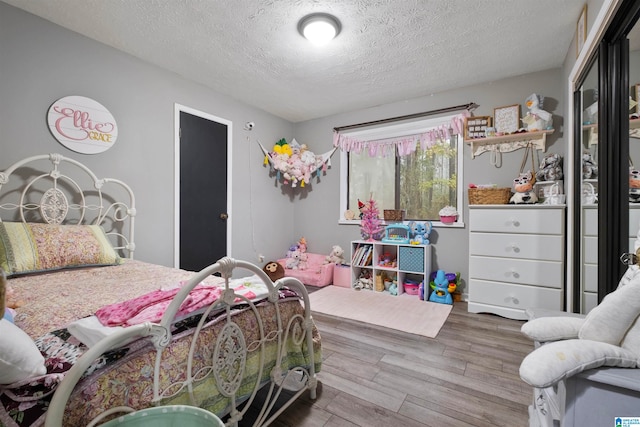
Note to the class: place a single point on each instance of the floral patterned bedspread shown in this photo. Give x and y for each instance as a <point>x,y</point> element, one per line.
<point>124,376</point>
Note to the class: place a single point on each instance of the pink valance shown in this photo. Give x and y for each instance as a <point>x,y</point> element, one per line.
<point>404,145</point>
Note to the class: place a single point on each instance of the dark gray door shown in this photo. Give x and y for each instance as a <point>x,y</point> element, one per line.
<point>203,191</point>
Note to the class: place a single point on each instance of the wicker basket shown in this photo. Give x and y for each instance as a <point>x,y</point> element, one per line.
<point>489,196</point>
<point>394,215</point>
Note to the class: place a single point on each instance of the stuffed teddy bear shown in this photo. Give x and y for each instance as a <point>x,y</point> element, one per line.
<point>523,187</point>
<point>550,168</point>
<point>274,270</point>
<point>293,261</point>
<point>336,256</point>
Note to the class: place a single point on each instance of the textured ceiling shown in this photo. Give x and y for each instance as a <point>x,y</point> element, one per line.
<point>388,50</point>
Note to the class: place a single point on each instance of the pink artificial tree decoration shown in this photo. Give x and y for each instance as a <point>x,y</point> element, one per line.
<point>370,224</point>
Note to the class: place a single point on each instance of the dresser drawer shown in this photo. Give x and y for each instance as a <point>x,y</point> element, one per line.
<point>529,221</point>
<point>514,296</point>
<point>550,248</point>
<point>549,274</point>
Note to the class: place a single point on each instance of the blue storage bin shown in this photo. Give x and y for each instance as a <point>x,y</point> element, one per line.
<point>411,258</point>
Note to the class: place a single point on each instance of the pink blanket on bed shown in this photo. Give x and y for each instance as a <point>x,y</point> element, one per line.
<point>150,307</point>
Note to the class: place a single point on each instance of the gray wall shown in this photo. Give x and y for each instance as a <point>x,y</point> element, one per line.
<point>41,62</point>
<point>317,216</point>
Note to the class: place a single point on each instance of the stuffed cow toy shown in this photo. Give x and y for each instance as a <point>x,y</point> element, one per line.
<point>523,186</point>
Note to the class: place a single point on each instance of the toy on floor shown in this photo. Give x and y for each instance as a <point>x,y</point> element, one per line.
<point>442,288</point>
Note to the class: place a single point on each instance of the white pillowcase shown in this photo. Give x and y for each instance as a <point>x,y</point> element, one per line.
<point>19,357</point>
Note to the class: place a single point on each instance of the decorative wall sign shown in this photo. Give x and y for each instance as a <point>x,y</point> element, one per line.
<point>82,124</point>
<point>506,120</point>
<point>475,127</point>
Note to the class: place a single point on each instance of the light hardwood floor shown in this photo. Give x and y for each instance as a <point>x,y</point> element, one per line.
<point>466,376</point>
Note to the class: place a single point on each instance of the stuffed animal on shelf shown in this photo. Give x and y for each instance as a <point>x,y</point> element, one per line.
<point>536,118</point>
<point>420,232</point>
<point>274,270</point>
<point>336,256</point>
<point>523,186</point>
<point>550,168</point>
<point>589,166</point>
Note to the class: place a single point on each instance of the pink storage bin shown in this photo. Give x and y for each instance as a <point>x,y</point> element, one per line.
<point>342,275</point>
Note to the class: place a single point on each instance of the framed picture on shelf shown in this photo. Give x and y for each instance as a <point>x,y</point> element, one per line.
<point>581,30</point>
<point>506,120</point>
<point>474,127</point>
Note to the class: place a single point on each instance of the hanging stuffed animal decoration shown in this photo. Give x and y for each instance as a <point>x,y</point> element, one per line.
<point>536,118</point>
<point>523,187</point>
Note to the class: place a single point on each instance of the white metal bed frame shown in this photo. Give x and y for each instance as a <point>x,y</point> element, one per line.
<point>228,357</point>
<point>59,184</point>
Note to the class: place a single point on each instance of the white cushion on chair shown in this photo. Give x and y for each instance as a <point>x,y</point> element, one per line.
<point>558,360</point>
<point>544,329</point>
<point>610,321</point>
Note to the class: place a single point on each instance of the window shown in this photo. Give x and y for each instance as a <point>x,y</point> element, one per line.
<point>421,182</point>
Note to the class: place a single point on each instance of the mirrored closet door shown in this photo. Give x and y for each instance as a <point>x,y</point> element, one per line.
<point>607,203</point>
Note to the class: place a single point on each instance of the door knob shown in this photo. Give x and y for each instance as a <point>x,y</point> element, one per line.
<point>224,216</point>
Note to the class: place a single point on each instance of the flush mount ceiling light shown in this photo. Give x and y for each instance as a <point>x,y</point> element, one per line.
<point>319,28</point>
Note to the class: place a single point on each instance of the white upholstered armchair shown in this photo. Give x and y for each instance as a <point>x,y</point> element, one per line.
<point>575,368</point>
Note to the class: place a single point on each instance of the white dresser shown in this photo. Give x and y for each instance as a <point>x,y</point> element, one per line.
<point>516,258</point>
<point>590,251</point>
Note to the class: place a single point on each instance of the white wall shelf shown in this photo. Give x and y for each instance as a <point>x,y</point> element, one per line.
<point>511,142</point>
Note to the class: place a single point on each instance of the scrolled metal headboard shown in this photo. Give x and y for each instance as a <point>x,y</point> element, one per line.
<point>55,189</point>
